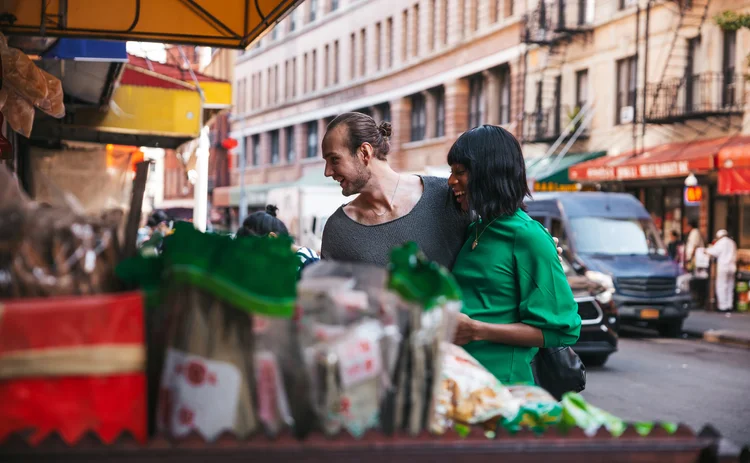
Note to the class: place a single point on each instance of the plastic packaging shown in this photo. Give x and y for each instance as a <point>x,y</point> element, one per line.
<point>52,104</point>
<point>51,251</point>
<point>19,112</point>
<point>538,410</point>
<point>576,412</point>
<point>468,393</point>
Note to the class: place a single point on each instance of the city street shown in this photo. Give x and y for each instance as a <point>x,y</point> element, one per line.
<point>683,380</point>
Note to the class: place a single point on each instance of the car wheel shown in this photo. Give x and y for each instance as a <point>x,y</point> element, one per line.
<point>670,329</point>
<point>594,360</point>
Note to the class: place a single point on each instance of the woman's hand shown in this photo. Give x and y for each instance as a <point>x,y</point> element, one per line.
<point>466,330</point>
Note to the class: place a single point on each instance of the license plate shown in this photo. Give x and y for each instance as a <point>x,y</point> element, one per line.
<point>649,314</point>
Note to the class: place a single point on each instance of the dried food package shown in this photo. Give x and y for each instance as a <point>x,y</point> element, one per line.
<point>50,251</point>
<point>348,372</point>
<point>283,387</point>
<point>52,104</point>
<point>432,300</point>
<point>207,376</point>
<point>208,380</point>
<point>19,112</point>
<point>467,393</point>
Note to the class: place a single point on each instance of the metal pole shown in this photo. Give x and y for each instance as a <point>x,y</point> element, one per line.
<point>645,76</point>
<point>200,210</point>
<point>635,100</point>
<point>243,195</point>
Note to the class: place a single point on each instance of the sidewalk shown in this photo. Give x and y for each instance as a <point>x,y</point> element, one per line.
<point>732,328</point>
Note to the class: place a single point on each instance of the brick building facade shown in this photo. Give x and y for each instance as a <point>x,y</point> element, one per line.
<point>433,68</point>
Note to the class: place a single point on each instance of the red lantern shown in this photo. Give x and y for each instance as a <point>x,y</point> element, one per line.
<point>229,143</point>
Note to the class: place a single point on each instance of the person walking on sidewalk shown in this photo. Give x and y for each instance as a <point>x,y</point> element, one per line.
<point>724,249</point>
<point>693,242</point>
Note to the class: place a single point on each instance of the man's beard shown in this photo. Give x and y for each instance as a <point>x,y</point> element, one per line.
<point>356,185</point>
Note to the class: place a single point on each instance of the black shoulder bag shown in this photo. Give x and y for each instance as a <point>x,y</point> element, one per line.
<point>559,370</point>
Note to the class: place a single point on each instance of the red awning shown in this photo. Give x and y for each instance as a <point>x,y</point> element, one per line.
<point>663,161</point>
<point>734,167</point>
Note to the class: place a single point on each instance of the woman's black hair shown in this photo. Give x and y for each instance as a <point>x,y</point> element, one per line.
<point>497,171</point>
<point>261,223</point>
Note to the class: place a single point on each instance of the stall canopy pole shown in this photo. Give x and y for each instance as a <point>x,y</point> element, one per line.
<point>200,210</point>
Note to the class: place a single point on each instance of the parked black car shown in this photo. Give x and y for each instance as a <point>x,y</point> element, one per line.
<point>599,319</point>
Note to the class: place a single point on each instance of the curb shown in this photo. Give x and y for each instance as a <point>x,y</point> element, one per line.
<point>726,337</point>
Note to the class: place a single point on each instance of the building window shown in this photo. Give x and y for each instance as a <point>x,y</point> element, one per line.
<point>314,72</point>
<point>404,35</point>
<point>378,39</point>
<point>418,117</point>
<point>294,77</point>
<point>313,9</point>
<point>327,66</point>
<point>415,31</point>
<point>293,20</point>
<point>353,56</point>
<point>247,144</point>
<point>729,67</point>
<point>269,87</point>
<point>474,18</point>
<point>444,21</point>
<point>256,150</point>
<point>305,73</point>
<point>274,33</point>
<point>504,77</point>
<point>363,52</point>
<point>385,112</point>
<point>336,62</point>
<point>433,32</point>
<point>312,139</point>
<point>290,148</point>
<point>627,3</point>
<point>476,101</point>
<point>582,88</point>
<point>275,147</point>
<point>276,92</point>
<point>389,45</point>
<point>439,95</point>
<point>334,5</point>
<point>626,82</point>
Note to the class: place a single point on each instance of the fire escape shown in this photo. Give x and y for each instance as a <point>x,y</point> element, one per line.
<point>552,26</point>
<point>686,93</point>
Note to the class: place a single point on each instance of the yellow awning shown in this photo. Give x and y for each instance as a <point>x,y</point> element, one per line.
<point>216,23</point>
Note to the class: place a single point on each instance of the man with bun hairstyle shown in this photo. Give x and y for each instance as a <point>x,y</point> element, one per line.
<point>391,208</point>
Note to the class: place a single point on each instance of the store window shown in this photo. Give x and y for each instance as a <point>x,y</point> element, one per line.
<point>672,212</point>
<point>744,240</point>
<point>439,111</point>
<point>290,152</point>
<point>418,117</point>
<point>626,92</point>
<point>256,150</point>
<point>312,139</point>
<point>275,147</point>
<point>476,101</point>
<point>655,205</point>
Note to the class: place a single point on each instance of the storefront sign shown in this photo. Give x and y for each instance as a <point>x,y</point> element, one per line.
<point>640,171</point>
<point>552,186</point>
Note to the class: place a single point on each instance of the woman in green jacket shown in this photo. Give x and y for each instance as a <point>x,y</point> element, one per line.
<point>516,296</point>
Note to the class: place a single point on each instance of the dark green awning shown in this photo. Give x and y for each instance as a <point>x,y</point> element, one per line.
<point>555,171</point>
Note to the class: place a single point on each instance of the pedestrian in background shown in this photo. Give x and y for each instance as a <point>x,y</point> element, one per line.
<point>675,246</point>
<point>693,242</point>
<point>265,223</point>
<point>724,249</point>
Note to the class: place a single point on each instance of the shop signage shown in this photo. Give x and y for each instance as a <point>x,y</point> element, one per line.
<point>640,171</point>
<point>553,186</point>
<point>693,195</point>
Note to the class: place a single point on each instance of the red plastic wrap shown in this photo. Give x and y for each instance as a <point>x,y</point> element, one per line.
<point>73,365</point>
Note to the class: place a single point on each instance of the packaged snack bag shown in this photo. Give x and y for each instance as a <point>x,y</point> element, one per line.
<point>538,409</point>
